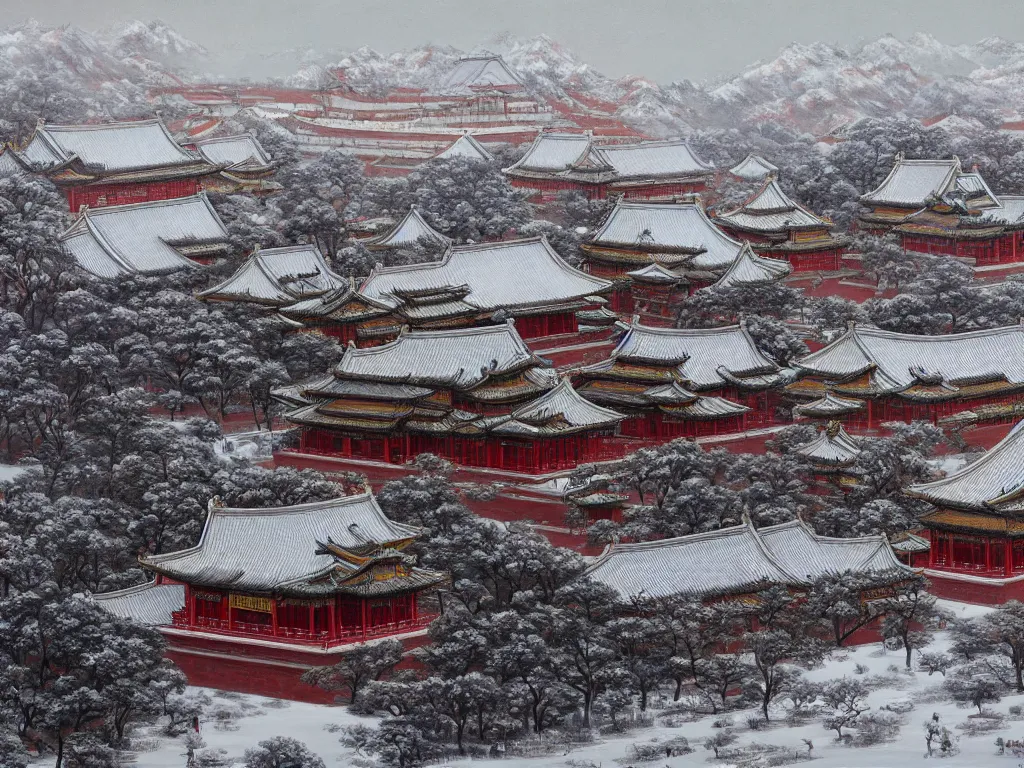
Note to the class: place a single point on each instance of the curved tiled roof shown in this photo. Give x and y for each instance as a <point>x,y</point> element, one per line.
<point>479,72</point>
<point>553,152</point>
<point>408,233</point>
<point>911,183</point>
<point>770,210</point>
<point>833,445</point>
<point>751,269</point>
<point>110,146</point>
<point>653,158</point>
<point>468,147</point>
<point>828,406</point>
<point>242,151</point>
<point>278,276</point>
<point>148,604</point>
<point>753,168</point>
<point>564,404</point>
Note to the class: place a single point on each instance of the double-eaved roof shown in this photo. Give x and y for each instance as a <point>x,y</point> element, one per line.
<point>739,560</point>
<point>575,156</point>
<point>467,148</point>
<point>239,153</point>
<point>833,445</point>
<point>753,168</point>
<point>680,230</point>
<point>287,550</point>
<point>278,276</point>
<point>145,238</point>
<point>995,480</point>
<point>509,275</point>
<point>771,210</point>
<point>926,367</point>
<point>407,233</point>
<point>918,183</point>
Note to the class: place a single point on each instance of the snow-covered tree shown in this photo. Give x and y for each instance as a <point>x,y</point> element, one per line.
<point>281,752</point>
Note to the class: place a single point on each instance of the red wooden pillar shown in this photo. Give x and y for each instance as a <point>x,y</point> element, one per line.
<point>988,554</point>
<point>933,536</point>
<point>1008,557</point>
<point>362,604</point>
<point>273,617</point>
<point>190,606</point>
<point>332,619</point>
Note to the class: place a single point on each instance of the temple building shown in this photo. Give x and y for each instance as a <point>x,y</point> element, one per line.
<point>678,237</point>
<point>558,162</point>
<point>831,454</point>
<point>778,227</point>
<point>471,285</point>
<point>466,148</point>
<point>685,382</point>
<point>740,561</point>
<point>655,293</point>
<point>753,168</point>
<point>278,590</point>
<point>977,531</point>
<point>475,396</point>
<point>146,238</point>
<point>115,163</point>
<point>906,377</point>
<point>411,231</point>
<point>829,408</point>
<point>273,277</point>
<point>751,269</point>
<point>247,166</point>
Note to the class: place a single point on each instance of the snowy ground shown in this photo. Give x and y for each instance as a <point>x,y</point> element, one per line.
<point>314,724</point>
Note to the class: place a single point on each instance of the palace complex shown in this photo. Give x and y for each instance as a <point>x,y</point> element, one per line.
<point>976,531</point>
<point>268,593</point>
<point>146,238</point>
<point>558,162</point>
<point>471,285</point>
<point>933,206</point>
<point>778,227</point>
<point>113,163</point>
<point>685,383</point>
<point>475,396</point>
<point>907,377</point>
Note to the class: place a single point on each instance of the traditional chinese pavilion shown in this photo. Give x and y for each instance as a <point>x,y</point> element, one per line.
<point>471,285</point>
<point>750,269</point>
<point>466,148</point>
<point>831,408</point>
<point>740,560</point>
<point>475,396</point>
<point>269,593</point>
<point>411,231</point>
<point>247,166</point>
<point>115,163</point>
<point>977,529</point>
<point>146,238</point>
<point>685,382</point>
<point>753,168</point>
<point>273,277</point>
<point>558,162</point>
<point>656,293</point>
<point>831,454</point>
<point>776,226</point>
<point>906,377</point>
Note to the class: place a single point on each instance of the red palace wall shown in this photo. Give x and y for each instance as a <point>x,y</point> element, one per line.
<point>976,591</point>
<point>102,195</point>
<point>1005,249</point>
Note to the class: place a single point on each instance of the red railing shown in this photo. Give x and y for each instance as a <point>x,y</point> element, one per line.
<point>323,638</point>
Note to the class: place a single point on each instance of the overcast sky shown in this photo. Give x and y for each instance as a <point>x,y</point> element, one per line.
<point>662,39</point>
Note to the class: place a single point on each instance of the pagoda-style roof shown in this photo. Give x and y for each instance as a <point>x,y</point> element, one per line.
<point>706,358</point>
<point>770,210</point>
<point>109,147</point>
<point>459,358</point>
<point>833,445</point>
<point>752,269</point>
<point>145,238</point>
<point>278,276</point>
<point>473,73</point>
<point>828,407</point>
<point>739,560</point>
<point>679,228</point>
<point>931,366</point>
<point>300,550</point>
<point>149,604</point>
<point>753,168</point>
<point>239,153</point>
<point>560,411</point>
<point>467,148</point>
<point>407,233</point>
<point>476,279</point>
<point>577,157</point>
<point>993,481</point>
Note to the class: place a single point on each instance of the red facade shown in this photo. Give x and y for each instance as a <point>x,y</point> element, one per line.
<point>102,195</point>
<point>1008,248</point>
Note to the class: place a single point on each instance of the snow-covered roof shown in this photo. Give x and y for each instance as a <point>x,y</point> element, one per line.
<point>467,147</point>
<point>770,210</point>
<point>110,146</point>
<point>408,232</point>
<point>148,604</point>
<point>1009,211</point>
<point>554,152</point>
<point>236,152</point>
<point>563,405</point>
<point>828,406</point>
<point>833,445</point>
<point>995,478</point>
<point>459,357</point>
<point>752,269</point>
<point>576,154</point>
<point>655,273</point>
<point>668,227</point>
<point>738,559</point>
<point>911,183</point>
<point>753,168</point>
<point>503,275</point>
<point>653,158</point>
<point>142,238</point>
<point>479,72</point>
<point>900,360</point>
<point>257,550</point>
<point>10,163</point>
<point>278,276</point>
<point>702,355</point>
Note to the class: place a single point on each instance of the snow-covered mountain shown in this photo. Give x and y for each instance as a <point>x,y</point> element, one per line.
<point>154,41</point>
